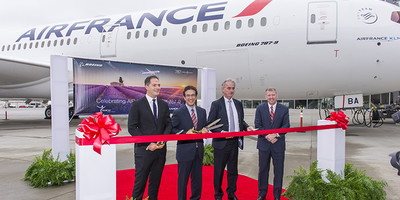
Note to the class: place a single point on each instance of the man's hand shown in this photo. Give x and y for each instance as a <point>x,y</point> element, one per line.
<point>152,146</point>
<point>190,131</point>
<point>271,138</point>
<point>204,130</point>
<point>160,145</point>
<point>250,128</point>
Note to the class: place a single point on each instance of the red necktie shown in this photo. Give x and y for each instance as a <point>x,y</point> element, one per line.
<point>272,113</point>
<point>194,119</point>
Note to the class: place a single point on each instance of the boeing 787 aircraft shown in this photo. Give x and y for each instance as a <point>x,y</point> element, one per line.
<point>305,48</point>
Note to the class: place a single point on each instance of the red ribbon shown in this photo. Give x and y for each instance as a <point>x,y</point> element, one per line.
<point>155,138</point>
<point>100,128</point>
<point>340,118</point>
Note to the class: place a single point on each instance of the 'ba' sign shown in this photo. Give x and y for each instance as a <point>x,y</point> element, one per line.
<point>349,101</point>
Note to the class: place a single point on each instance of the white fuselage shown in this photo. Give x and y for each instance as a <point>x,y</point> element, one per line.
<point>306,49</point>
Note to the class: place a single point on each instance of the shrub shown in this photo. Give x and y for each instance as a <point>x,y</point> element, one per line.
<point>355,185</point>
<point>45,171</point>
<point>208,155</point>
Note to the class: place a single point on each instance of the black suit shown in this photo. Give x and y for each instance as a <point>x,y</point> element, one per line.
<point>226,150</point>
<point>141,122</point>
<point>267,150</point>
<point>189,153</point>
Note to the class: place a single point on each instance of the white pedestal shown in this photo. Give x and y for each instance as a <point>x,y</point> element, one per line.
<point>331,148</point>
<point>96,175</point>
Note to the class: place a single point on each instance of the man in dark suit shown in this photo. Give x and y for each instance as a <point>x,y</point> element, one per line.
<point>149,116</point>
<point>271,115</point>
<point>189,153</point>
<point>231,113</point>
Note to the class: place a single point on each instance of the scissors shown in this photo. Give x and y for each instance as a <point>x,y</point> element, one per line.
<point>212,125</point>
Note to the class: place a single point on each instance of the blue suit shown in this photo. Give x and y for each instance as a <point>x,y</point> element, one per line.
<point>189,153</point>
<point>226,150</point>
<point>267,150</point>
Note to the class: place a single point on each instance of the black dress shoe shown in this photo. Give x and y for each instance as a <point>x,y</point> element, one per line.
<point>233,197</point>
<point>261,198</point>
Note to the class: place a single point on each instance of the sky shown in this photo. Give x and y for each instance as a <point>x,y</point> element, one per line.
<point>24,14</point>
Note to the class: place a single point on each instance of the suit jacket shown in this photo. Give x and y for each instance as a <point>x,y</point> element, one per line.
<point>263,122</point>
<point>182,120</point>
<point>141,121</point>
<point>218,111</point>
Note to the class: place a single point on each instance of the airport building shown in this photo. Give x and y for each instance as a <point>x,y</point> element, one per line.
<point>376,99</point>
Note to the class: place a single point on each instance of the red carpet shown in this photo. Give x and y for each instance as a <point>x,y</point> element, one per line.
<point>247,187</point>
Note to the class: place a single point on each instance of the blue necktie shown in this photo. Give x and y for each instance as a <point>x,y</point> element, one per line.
<point>155,110</point>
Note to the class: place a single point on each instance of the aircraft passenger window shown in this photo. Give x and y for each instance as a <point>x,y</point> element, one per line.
<point>164,31</point>
<point>128,35</point>
<point>68,41</point>
<point>37,45</point>
<point>239,24</point>
<point>251,23</point>
<point>8,48</point>
<point>184,29</point>
<point>137,34</point>
<point>194,28</point>
<point>146,33</point>
<point>227,25</point>
<point>4,47</point>
<point>215,27</point>
<point>396,16</point>
<point>49,43</point>
<point>55,43</point>
<point>75,40</point>
<point>263,21</point>
<point>25,46</point>
<point>102,39</point>
<point>31,45</point>
<point>205,27</point>
<point>43,44</point>
<point>19,46</point>
<point>155,31</point>
<point>13,47</point>
<point>61,42</point>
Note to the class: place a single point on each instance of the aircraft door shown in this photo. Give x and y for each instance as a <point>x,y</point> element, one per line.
<point>322,22</point>
<point>108,42</point>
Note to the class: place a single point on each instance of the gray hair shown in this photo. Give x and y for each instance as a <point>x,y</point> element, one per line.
<point>271,89</point>
<point>227,80</point>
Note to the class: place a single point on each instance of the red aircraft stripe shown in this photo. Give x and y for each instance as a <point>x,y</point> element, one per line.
<point>254,8</point>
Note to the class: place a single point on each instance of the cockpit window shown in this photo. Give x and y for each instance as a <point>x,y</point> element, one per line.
<point>396,16</point>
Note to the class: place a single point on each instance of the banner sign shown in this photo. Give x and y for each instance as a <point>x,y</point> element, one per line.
<point>111,87</point>
<point>349,101</point>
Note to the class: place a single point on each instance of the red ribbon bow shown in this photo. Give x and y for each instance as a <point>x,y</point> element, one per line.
<point>340,118</point>
<point>100,128</point>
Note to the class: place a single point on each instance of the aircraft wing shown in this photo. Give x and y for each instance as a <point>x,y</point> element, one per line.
<point>22,78</point>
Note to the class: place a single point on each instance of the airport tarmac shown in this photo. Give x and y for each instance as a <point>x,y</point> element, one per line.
<point>26,134</point>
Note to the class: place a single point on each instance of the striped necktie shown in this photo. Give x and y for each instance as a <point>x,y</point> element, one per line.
<point>272,113</point>
<point>194,119</point>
